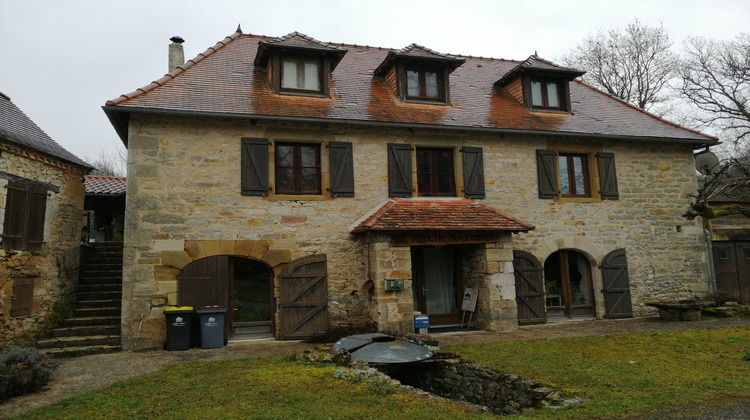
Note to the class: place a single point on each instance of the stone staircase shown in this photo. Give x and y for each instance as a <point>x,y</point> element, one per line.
<point>95,325</point>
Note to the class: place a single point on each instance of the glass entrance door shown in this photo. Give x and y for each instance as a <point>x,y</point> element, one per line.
<point>251,309</point>
<point>437,283</point>
<point>567,283</point>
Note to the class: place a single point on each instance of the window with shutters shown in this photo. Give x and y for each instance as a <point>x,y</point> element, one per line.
<point>298,169</point>
<point>435,171</point>
<point>25,208</point>
<point>568,175</point>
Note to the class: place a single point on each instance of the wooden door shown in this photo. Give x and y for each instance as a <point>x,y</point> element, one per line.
<point>732,269</point>
<point>437,274</point>
<point>529,288</point>
<point>205,282</point>
<point>616,285</point>
<point>303,294</point>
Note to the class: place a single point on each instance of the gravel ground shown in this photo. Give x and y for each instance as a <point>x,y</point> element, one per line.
<point>83,374</point>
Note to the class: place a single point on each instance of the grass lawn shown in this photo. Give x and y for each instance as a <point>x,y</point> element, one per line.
<point>623,375</point>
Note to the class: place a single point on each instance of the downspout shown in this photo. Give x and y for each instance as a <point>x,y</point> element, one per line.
<point>711,273</point>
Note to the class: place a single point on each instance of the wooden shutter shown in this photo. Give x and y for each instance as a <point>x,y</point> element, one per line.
<point>473,162</point>
<point>303,298</point>
<point>15,216</point>
<point>35,221</point>
<point>399,170</point>
<point>23,296</point>
<point>617,303</point>
<point>342,169</point>
<point>528,273</point>
<point>608,176</point>
<point>546,167</point>
<point>254,166</point>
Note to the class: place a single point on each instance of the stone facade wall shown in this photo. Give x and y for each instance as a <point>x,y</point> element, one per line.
<point>55,267</point>
<point>184,185</point>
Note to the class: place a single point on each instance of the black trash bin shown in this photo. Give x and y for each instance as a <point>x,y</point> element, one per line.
<point>178,327</point>
<point>212,326</point>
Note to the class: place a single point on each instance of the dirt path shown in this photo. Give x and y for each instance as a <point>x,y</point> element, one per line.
<point>83,374</point>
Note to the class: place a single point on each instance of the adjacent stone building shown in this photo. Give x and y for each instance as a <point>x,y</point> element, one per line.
<point>303,184</point>
<point>41,203</point>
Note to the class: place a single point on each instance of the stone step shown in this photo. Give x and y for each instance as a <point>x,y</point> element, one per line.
<point>87,330</point>
<point>90,320</point>
<point>81,351</point>
<point>100,280</point>
<point>99,304</point>
<point>99,295</point>
<point>96,288</point>
<point>112,311</point>
<point>78,341</point>
<point>88,273</point>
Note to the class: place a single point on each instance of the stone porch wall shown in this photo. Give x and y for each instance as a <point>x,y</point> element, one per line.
<point>55,267</point>
<point>184,185</point>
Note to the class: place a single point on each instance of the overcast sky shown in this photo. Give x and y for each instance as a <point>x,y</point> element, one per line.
<point>61,60</point>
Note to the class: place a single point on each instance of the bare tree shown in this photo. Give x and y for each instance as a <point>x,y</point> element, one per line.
<point>715,78</point>
<point>635,65</point>
<point>110,163</point>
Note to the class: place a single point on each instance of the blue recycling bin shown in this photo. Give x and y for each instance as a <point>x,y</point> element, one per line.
<point>179,320</point>
<point>211,320</point>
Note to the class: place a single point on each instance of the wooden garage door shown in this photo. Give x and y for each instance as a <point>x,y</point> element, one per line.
<point>303,294</point>
<point>616,290</point>
<point>529,288</point>
<point>732,269</point>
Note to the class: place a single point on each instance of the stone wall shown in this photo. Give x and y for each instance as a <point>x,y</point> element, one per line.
<point>55,267</point>
<point>184,185</point>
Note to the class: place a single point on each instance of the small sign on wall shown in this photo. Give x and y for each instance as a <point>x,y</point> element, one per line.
<point>469,303</point>
<point>394,284</point>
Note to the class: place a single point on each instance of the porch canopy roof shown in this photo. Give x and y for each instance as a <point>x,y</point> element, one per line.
<point>433,214</point>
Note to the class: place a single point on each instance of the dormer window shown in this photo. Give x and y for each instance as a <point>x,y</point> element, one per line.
<point>425,83</point>
<point>545,93</point>
<point>301,73</point>
<point>417,74</point>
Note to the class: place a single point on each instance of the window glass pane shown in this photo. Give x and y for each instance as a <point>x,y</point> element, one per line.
<point>444,161</point>
<point>311,79</point>
<point>553,99</point>
<point>579,284</point>
<point>412,83</point>
<point>289,74</point>
<point>580,185</point>
<point>536,94</point>
<point>284,156</point>
<point>445,184</point>
<point>564,181</point>
<point>723,253</point>
<point>309,156</point>
<point>431,85</point>
<point>284,180</point>
<point>310,180</point>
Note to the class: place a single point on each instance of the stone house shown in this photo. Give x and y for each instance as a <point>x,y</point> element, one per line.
<point>304,184</point>
<point>41,202</point>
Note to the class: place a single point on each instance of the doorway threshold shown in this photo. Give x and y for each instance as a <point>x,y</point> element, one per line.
<point>563,319</point>
<point>450,328</point>
<point>251,337</point>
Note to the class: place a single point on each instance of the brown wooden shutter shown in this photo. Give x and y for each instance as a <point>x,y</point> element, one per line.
<point>399,170</point>
<point>473,162</point>
<point>616,285</point>
<point>342,169</point>
<point>608,176</point>
<point>546,167</point>
<point>303,298</point>
<point>15,216</point>
<point>35,221</point>
<point>254,166</point>
<point>23,296</point>
<point>528,273</point>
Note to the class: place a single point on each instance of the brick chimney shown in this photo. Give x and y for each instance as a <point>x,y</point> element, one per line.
<point>176,53</point>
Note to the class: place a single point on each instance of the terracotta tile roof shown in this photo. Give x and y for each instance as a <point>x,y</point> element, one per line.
<point>16,127</point>
<point>223,81</point>
<point>454,214</point>
<point>105,185</point>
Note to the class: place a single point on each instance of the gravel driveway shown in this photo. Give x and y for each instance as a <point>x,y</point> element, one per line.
<point>83,374</point>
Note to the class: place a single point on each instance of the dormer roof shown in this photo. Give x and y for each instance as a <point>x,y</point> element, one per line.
<point>536,65</point>
<point>298,42</point>
<point>419,53</point>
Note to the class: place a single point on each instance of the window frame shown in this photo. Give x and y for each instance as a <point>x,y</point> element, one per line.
<point>297,168</point>
<point>563,95</point>
<point>324,76</point>
<point>441,80</point>
<point>25,217</point>
<point>434,172</point>
<point>571,175</point>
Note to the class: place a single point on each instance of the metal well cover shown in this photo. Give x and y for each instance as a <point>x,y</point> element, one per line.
<point>381,348</point>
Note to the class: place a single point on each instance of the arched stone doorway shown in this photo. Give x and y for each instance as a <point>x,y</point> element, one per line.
<point>243,285</point>
<point>568,285</point>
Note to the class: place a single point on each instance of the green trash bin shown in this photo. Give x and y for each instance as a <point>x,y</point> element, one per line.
<point>179,320</point>
<point>212,326</point>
